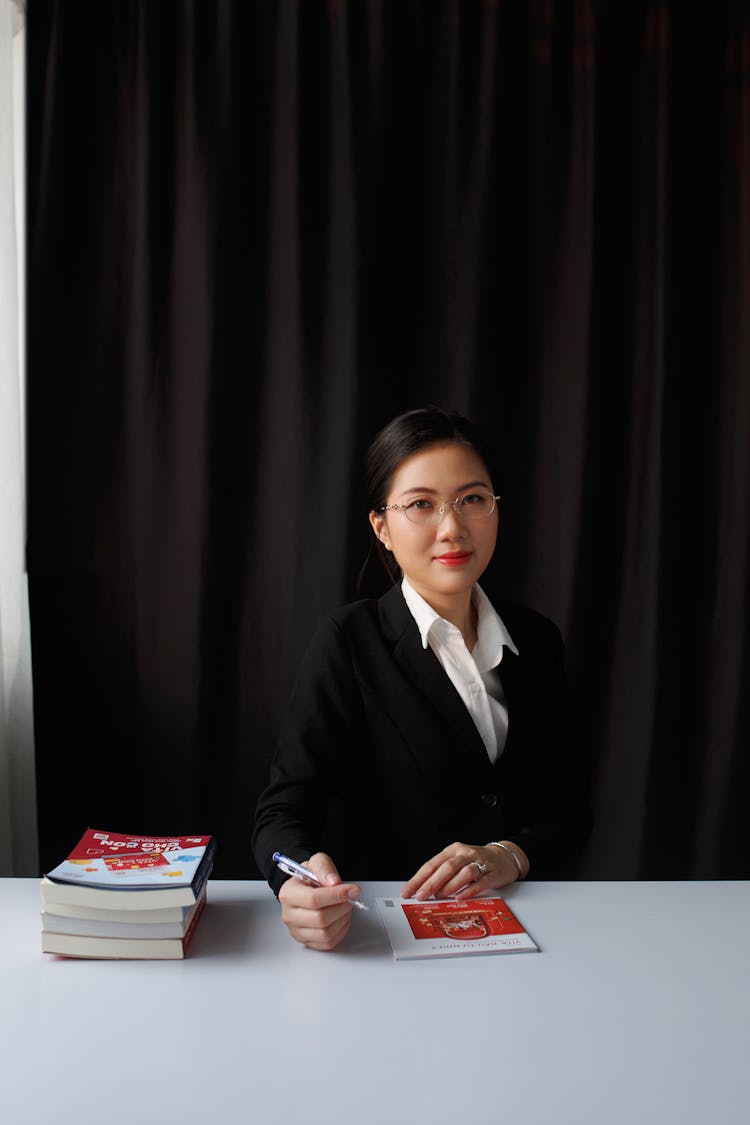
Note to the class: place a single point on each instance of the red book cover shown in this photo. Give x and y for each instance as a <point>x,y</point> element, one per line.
<point>446,928</point>
<point>117,860</point>
<point>461,921</point>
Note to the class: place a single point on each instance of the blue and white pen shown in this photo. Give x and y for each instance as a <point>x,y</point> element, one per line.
<point>291,867</point>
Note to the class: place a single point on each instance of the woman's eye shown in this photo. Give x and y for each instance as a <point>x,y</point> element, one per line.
<point>421,504</point>
<point>472,498</point>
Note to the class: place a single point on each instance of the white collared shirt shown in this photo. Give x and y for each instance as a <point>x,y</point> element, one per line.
<point>474,674</point>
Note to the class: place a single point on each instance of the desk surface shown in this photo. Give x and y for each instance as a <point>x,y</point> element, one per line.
<point>637,1009</point>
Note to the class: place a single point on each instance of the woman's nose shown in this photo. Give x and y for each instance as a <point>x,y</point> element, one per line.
<point>450,522</point>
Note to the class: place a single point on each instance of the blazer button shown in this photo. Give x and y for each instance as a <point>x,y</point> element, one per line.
<point>489,799</point>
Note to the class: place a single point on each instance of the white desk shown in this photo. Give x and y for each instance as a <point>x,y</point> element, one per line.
<point>637,1010</point>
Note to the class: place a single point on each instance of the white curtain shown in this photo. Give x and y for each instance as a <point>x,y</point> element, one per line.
<point>18,835</point>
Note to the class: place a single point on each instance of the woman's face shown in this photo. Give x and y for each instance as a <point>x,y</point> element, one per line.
<point>440,560</point>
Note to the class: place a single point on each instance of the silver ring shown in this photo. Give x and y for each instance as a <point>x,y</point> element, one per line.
<point>481,868</point>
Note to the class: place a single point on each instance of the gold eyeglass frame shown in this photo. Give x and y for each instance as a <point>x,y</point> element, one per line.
<point>438,513</point>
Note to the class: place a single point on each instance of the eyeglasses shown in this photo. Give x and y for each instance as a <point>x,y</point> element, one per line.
<point>477,504</point>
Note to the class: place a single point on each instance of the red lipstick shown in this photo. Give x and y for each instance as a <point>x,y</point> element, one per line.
<point>453,558</point>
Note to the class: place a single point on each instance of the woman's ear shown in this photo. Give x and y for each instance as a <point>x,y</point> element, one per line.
<point>378,524</point>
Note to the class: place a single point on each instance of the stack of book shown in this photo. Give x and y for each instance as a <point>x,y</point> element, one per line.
<point>126,897</point>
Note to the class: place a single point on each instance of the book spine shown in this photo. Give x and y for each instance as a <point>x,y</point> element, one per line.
<point>204,870</point>
<point>191,928</point>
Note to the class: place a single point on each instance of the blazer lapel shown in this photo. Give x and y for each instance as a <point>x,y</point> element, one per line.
<point>520,707</point>
<point>424,671</point>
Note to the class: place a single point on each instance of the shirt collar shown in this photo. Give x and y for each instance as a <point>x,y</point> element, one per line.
<point>492,636</point>
<point>424,615</point>
<point>491,632</point>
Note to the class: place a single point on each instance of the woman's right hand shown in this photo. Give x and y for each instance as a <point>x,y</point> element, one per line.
<point>318,917</point>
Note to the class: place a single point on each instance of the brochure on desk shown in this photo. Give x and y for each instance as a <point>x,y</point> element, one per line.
<point>114,859</point>
<point>446,928</point>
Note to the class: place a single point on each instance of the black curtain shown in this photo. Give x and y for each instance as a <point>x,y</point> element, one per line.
<point>257,230</point>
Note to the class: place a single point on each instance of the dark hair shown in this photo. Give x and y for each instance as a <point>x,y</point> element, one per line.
<point>404,435</point>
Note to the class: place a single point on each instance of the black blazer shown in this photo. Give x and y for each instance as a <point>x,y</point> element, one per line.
<point>380,765</point>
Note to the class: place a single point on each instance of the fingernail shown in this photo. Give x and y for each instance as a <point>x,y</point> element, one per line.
<point>330,878</point>
<point>354,894</point>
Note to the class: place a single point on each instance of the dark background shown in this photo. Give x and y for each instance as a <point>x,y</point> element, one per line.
<point>257,230</point>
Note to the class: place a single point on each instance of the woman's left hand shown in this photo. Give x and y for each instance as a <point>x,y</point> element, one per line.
<point>457,872</point>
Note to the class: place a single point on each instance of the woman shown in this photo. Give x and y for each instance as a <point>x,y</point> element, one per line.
<point>428,734</point>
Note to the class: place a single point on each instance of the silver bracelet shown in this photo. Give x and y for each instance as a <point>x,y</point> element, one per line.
<point>511,853</point>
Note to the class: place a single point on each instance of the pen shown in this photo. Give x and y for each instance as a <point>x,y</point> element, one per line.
<point>291,867</point>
